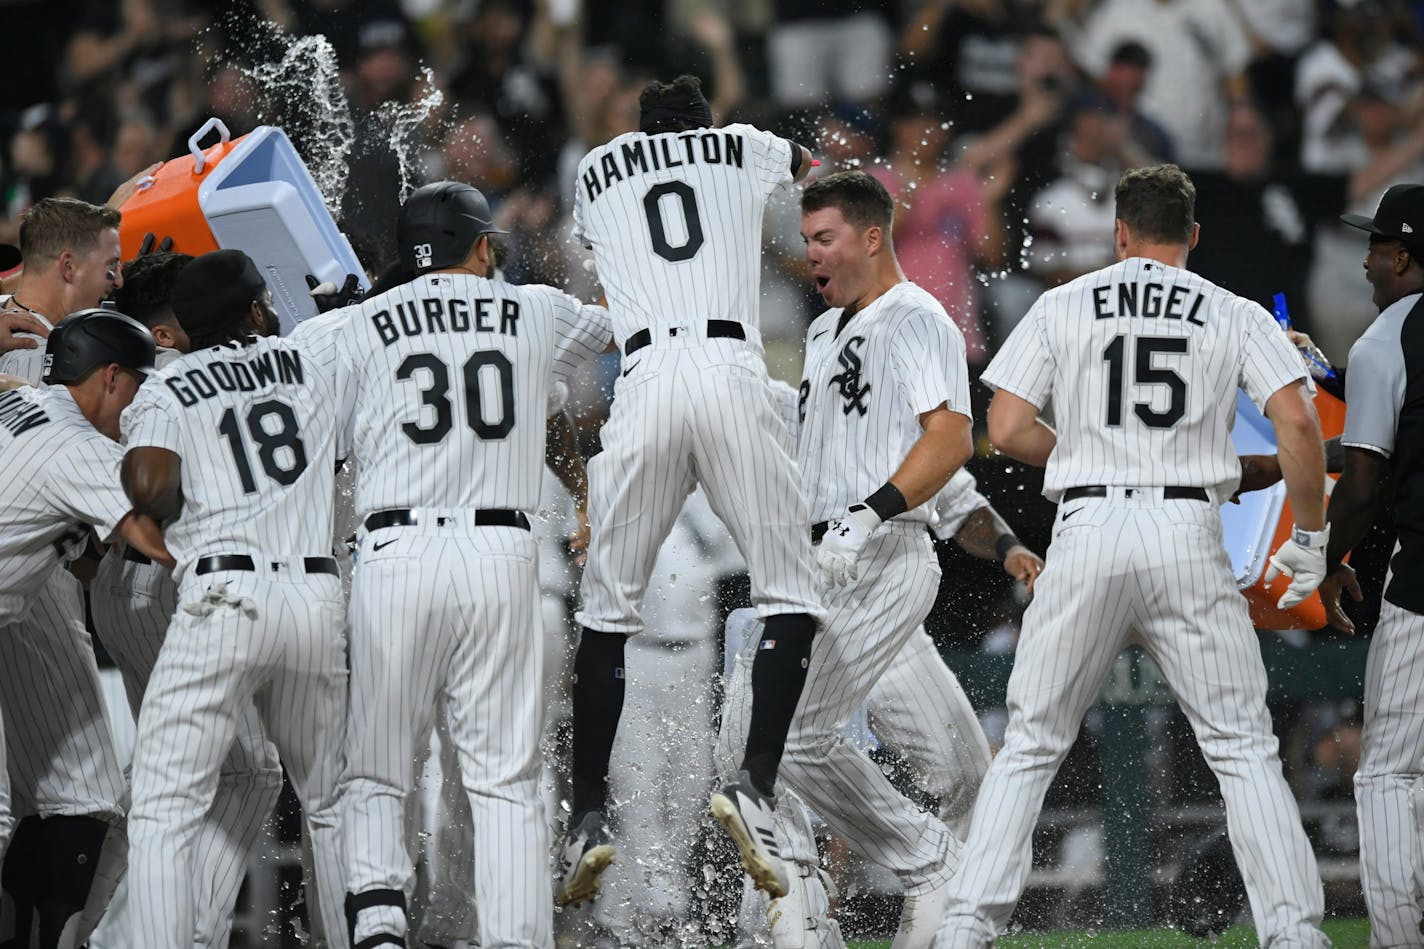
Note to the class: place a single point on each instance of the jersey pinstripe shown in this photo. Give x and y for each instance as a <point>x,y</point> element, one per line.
<point>448,381</point>
<point>674,221</point>
<point>27,364</point>
<point>252,423</point>
<point>61,475</point>
<point>865,383</point>
<point>1136,357</point>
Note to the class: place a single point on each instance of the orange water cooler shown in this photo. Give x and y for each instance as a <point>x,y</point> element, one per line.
<point>255,194</point>
<point>1263,520</point>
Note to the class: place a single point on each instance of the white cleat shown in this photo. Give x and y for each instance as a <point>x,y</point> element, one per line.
<point>801,919</point>
<point>585,855</point>
<point>747,815</point>
<point>921,915</point>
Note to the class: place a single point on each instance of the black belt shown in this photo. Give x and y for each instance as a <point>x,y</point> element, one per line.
<point>244,562</point>
<point>134,556</point>
<point>1171,492</point>
<point>487,517</point>
<point>724,329</point>
<point>818,530</point>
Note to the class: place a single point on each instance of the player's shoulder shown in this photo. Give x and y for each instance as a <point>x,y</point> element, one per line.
<point>823,325</point>
<point>598,151</point>
<point>909,306</point>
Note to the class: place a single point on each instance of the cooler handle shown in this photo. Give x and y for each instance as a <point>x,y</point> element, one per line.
<point>213,123</point>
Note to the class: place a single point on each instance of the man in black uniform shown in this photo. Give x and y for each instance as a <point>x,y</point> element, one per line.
<point>1384,440</point>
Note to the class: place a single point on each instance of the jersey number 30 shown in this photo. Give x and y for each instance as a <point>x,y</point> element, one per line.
<point>272,425</point>
<point>1146,373</point>
<point>436,395</point>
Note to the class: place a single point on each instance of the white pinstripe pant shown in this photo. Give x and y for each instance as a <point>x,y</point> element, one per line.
<point>452,610</point>
<point>132,605</point>
<point>289,660</point>
<point>690,412</point>
<point>867,624</point>
<point>1388,782</point>
<point>60,746</point>
<point>1153,572</point>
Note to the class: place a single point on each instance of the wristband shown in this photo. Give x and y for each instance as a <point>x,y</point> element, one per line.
<point>887,502</point>
<point>1311,540</point>
<point>1004,544</point>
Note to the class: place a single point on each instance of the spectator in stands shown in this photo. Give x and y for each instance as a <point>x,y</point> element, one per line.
<point>1199,54</point>
<point>1121,85</point>
<point>826,50</point>
<point>973,46</point>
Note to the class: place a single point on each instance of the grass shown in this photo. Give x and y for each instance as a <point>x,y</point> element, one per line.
<point>1344,933</point>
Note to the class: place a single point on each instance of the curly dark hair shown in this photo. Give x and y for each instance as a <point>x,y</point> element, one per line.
<point>148,285</point>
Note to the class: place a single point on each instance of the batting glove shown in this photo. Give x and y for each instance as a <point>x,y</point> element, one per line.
<point>840,548</point>
<point>1302,558</point>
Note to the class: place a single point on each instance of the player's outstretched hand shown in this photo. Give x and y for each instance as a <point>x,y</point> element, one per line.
<point>151,244</point>
<point>1302,558</point>
<point>840,548</point>
<point>329,298</point>
<point>1023,565</point>
<point>1341,578</point>
<point>12,322</point>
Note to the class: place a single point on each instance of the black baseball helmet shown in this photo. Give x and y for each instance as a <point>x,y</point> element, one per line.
<point>88,339</point>
<point>439,223</point>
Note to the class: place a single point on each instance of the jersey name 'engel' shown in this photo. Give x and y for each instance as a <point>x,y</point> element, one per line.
<point>640,155</point>
<point>1149,301</point>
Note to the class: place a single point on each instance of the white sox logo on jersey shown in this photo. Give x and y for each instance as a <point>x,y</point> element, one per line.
<point>848,380</point>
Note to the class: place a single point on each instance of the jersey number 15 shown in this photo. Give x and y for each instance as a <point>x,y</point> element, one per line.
<point>1146,372</point>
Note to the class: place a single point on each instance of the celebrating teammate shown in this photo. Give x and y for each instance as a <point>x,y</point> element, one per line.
<point>133,599</point>
<point>237,441</point>
<point>1142,361</point>
<point>1384,445</point>
<point>450,377</point>
<point>673,213</point>
<point>885,422</point>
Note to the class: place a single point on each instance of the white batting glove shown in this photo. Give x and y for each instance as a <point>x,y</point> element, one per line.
<point>840,548</point>
<point>1302,558</point>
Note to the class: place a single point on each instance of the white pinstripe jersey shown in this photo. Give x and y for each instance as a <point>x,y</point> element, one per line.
<point>865,385</point>
<point>1142,362</point>
<point>58,475</point>
<point>446,383</point>
<point>27,364</point>
<point>255,426</point>
<point>674,221</point>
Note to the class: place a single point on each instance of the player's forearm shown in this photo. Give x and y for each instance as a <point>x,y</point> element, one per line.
<point>562,456</point>
<point>1302,458</point>
<point>1354,503</point>
<point>1030,444</point>
<point>143,534</point>
<point>153,481</point>
<point>940,451</point>
<point>984,534</point>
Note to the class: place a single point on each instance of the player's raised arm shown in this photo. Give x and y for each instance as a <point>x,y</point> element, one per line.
<point>153,480</point>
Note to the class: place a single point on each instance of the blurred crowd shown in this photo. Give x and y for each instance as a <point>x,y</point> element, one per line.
<point>999,125</point>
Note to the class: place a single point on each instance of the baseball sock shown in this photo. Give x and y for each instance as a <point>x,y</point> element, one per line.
<point>69,855</point>
<point>778,675</point>
<point>598,704</point>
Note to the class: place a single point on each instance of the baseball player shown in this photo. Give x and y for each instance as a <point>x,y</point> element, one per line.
<point>60,463</point>
<point>71,250</point>
<point>1142,360</point>
<point>1384,444</point>
<point>132,601</point>
<point>450,382</point>
<point>236,444</point>
<point>885,422</point>
<point>71,254</point>
<point>673,214</point>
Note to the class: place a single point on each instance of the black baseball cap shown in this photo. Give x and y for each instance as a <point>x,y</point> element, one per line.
<point>1399,217</point>
<point>215,290</point>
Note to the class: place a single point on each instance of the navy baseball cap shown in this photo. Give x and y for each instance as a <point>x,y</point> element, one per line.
<point>1399,217</point>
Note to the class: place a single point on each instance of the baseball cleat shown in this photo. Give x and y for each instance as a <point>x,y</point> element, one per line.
<point>586,854</point>
<point>747,816</point>
<point>921,914</point>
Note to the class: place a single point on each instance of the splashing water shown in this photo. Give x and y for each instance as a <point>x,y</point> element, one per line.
<point>404,119</point>
<point>301,93</point>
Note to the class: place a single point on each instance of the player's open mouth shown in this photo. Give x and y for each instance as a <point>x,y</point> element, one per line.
<point>821,282</point>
